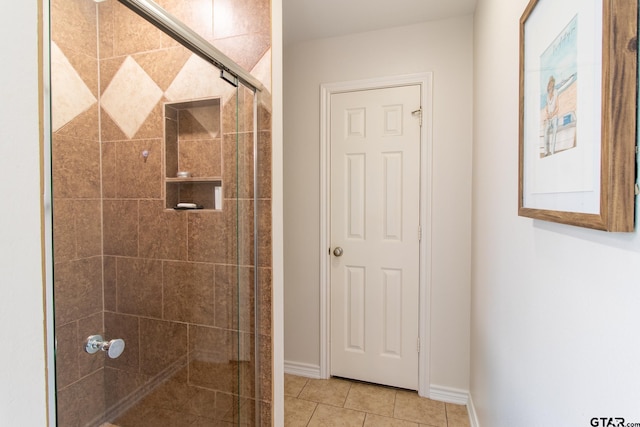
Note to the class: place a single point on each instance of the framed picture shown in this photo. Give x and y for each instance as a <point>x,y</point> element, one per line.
<point>578,103</point>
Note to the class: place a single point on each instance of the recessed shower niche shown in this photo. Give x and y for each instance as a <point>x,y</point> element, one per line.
<point>193,154</point>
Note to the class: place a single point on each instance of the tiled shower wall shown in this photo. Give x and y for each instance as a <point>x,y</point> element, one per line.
<point>125,266</point>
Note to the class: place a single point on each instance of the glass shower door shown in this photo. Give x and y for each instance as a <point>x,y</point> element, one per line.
<point>154,229</point>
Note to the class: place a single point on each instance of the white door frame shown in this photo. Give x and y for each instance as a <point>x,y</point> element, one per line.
<point>426,170</point>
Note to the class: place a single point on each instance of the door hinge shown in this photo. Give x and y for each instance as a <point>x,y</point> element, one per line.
<point>418,113</point>
<point>419,233</point>
<point>418,345</point>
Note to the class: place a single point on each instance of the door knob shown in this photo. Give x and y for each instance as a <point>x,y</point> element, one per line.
<point>114,348</point>
<point>338,251</point>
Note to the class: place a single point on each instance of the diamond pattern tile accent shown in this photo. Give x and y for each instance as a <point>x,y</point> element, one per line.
<point>199,79</point>
<point>203,116</point>
<point>130,97</point>
<point>262,70</point>
<point>70,95</point>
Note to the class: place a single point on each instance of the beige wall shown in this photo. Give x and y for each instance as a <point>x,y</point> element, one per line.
<point>554,313</point>
<point>444,48</point>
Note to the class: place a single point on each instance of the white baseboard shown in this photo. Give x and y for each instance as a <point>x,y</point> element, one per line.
<point>458,397</point>
<point>473,417</point>
<point>448,394</point>
<point>302,369</point>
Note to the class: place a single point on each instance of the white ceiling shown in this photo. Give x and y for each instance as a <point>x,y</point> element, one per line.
<point>312,19</point>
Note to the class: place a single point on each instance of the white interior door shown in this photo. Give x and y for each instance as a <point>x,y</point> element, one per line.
<point>375,211</point>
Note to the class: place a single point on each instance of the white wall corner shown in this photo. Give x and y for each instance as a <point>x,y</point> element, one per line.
<point>302,369</point>
<point>473,417</point>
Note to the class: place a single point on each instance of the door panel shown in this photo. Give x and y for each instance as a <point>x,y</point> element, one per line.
<point>375,196</point>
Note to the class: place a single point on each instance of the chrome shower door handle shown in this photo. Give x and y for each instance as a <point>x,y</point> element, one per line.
<point>114,348</point>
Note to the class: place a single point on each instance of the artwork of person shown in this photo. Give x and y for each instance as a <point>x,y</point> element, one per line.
<point>551,118</point>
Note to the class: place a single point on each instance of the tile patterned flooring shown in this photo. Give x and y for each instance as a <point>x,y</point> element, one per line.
<point>338,402</point>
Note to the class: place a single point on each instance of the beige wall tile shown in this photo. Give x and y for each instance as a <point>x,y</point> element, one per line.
<point>212,235</point>
<point>163,233</point>
<point>198,128</point>
<point>121,384</point>
<point>151,127</point>
<point>153,357</point>
<point>78,289</point>
<point>76,168</point>
<point>197,14</point>
<point>264,165</point>
<point>188,292</point>
<point>131,33</point>
<point>163,65</point>
<point>64,244</point>
<point>265,377</point>
<point>79,403</point>
<point>77,229</point>
<point>67,370</point>
<point>265,293</point>
<point>236,17</point>
<point>213,344</point>
<point>171,144</point>
<point>213,375</point>
<point>120,232</point>
<point>202,403</point>
<point>73,26</point>
<point>88,227</point>
<point>109,177</point>
<point>109,274</point>
<point>105,29</point>
<point>139,287</point>
<point>264,233</point>
<point>201,157</point>
<point>83,125</point>
<point>137,177</point>
<point>234,297</point>
<point>171,394</point>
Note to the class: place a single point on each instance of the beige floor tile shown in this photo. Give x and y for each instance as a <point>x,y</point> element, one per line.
<point>371,398</point>
<point>331,416</point>
<point>297,412</point>
<point>331,392</point>
<point>411,407</point>
<point>373,420</point>
<point>293,385</point>
<point>457,415</point>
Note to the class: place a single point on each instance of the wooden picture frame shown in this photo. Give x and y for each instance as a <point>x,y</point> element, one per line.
<point>578,113</point>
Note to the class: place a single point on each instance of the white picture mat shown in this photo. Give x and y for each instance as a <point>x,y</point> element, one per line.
<point>570,180</point>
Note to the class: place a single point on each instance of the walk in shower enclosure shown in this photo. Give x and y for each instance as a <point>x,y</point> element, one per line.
<point>161,212</point>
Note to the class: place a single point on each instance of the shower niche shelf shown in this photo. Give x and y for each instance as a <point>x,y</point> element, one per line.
<point>192,143</point>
